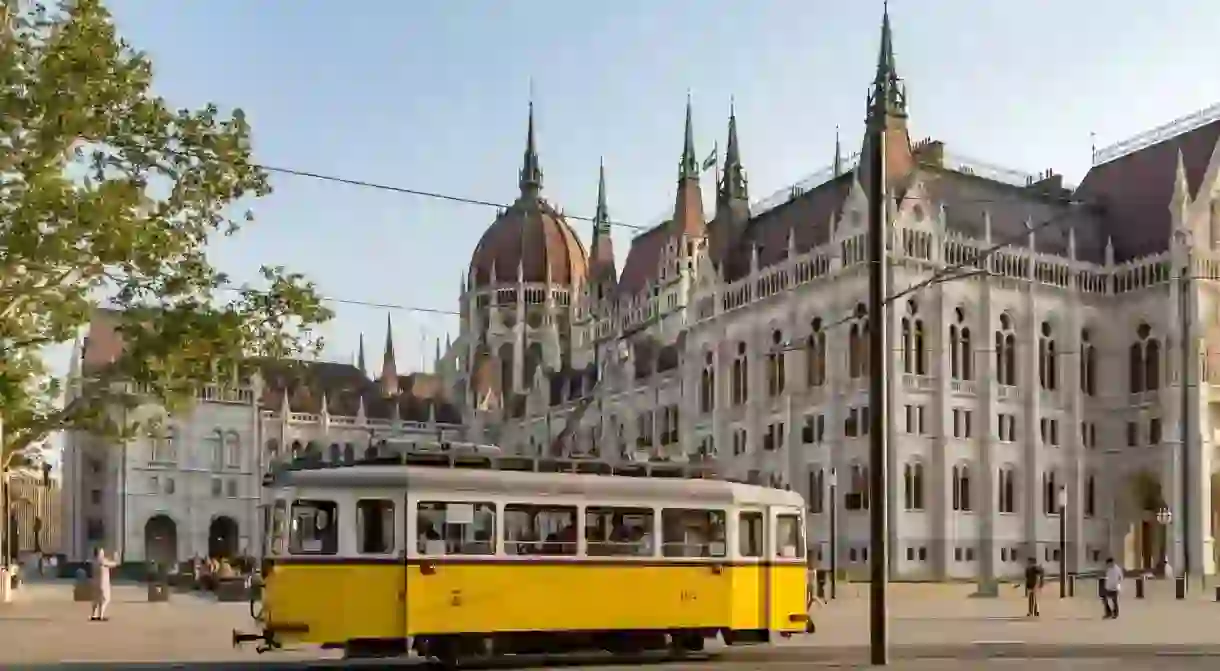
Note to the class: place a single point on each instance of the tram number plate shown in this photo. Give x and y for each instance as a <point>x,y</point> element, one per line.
<point>687,595</point>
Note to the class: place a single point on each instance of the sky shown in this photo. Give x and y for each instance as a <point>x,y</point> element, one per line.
<point>432,95</point>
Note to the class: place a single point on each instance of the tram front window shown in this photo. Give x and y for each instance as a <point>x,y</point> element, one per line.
<point>789,537</point>
<point>692,533</point>
<point>619,531</point>
<point>453,528</point>
<point>540,530</point>
<point>315,528</point>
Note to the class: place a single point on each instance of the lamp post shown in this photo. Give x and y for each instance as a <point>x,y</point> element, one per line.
<point>1063,575</point>
<point>1164,517</point>
<point>1188,363</point>
<point>834,534</point>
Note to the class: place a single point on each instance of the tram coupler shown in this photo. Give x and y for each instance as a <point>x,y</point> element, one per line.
<point>265,639</point>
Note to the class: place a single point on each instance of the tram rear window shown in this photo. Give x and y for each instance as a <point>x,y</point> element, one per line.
<point>455,528</point>
<point>692,533</point>
<point>375,526</point>
<point>789,537</point>
<point>540,530</point>
<point>315,528</point>
<point>620,531</point>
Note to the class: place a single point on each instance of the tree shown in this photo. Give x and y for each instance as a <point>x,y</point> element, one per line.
<point>109,197</point>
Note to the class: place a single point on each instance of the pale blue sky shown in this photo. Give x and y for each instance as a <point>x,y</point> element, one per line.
<point>431,94</point>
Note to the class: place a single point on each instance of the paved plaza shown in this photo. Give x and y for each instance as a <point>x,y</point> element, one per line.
<point>932,623</point>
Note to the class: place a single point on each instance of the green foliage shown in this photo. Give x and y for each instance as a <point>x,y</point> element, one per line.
<point>109,197</point>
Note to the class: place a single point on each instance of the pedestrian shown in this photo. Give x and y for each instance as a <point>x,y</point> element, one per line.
<point>101,584</point>
<point>1113,584</point>
<point>1035,576</point>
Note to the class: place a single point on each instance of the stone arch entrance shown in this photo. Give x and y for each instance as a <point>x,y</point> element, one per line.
<point>161,540</point>
<point>1145,541</point>
<point>222,537</point>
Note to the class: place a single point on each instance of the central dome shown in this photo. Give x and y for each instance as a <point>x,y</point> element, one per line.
<point>532,236</point>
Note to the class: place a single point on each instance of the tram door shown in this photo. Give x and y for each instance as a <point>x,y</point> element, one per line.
<point>408,542</point>
<point>752,530</point>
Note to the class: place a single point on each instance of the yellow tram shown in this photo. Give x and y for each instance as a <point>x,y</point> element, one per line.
<point>457,560</point>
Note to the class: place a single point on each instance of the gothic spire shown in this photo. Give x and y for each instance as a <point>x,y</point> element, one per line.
<point>734,184</point>
<point>888,96</point>
<point>688,168</point>
<point>389,367</point>
<point>531,169</point>
<point>601,215</point>
<point>601,253</point>
<point>360,357</point>
<point>838,160</point>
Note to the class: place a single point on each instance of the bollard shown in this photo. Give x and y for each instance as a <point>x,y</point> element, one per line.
<point>1139,587</point>
<point>1071,584</point>
<point>1180,587</point>
<point>1218,594</point>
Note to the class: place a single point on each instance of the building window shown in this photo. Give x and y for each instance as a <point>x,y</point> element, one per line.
<point>644,427</point>
<point>817,489</point>
<point>233,449</point>
<point>215,447</point>
<point>707,384</point>
<point>1007,489</point>
<point>1144,361</point>
<point>914,356</point>
<point>915,420</point>
<point>814,429</point>
<point>217,487</point>
<point>740,442</point>
<point>1154,431</point>
<point>913,486</point>
<point>1050,492</point>
<point>1006,427</point>
<point>1088,434</point>
<point>1006,352</point>
<point>857,344</point>
<point>963,423</point>
<point>1090,496</point>
<point>961,488</point>
<point>739,376</point>
<point>1049,429</point>
<point>816,355</point>
<point>775,365</point>
<point>1133,434</point>
<point>857,422</point>
<point>857,494</point>
<point>231,489</point>
<point>773,439</point>
<point>961,353</point>
<point>1048,365</point>
<point>1088,364</point>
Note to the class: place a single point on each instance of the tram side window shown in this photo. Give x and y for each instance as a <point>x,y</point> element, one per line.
<point>540,530</point>
<point>455,528</point>
<point>375,526</point>
<point>689,532</point>
<point>315,528</point>
<point>789,537</point>
<point>277,531</point>
<point>750,533</point>
<point>620,532</point>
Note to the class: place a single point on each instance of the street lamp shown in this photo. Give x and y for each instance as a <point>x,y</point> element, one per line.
<point>834,534</point>
<point>1164,517</point>
<point>1061,497</point>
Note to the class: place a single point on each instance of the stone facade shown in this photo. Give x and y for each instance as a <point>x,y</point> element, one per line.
<point>738,339</point>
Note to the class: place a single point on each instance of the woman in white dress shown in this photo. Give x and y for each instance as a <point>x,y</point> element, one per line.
<point>101,584</point>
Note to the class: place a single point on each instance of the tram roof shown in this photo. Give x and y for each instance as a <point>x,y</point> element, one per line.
<point>496,482</point>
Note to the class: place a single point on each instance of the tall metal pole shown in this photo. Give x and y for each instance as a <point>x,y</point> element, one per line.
<point>834,535</point>
<point>878,357</point>
<point>1187,366</point>
<point>1063,543</point>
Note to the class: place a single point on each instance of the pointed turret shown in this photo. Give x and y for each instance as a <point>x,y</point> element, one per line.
<point>360,357</point>
<point>734,185</point>
<point>688,203</point>
<point>531,169</point>
<point>887,112</point>
<point>389,367</point>
<point>601,253</point>
<point>732,198</point>
<point>838,159</point>
<point>1180,202</point>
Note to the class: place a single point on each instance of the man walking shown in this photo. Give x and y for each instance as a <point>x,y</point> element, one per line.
<point>1035,576</point>
<point>1113,584</point>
